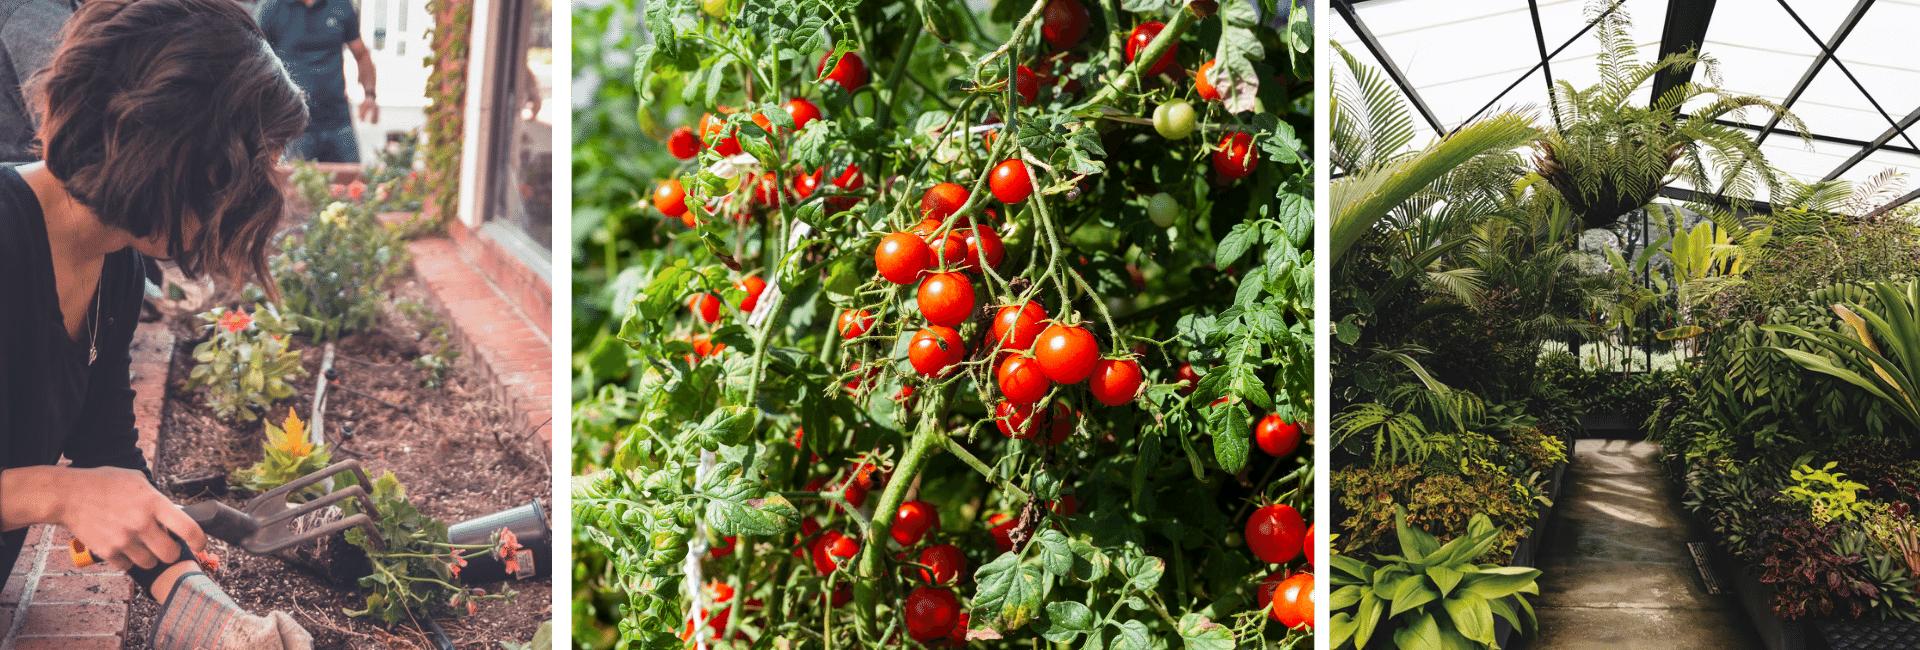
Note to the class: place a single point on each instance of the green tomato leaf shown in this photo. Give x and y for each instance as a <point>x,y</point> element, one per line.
<point>1066,620</point>
<point>739,507</point>
<point>1203,634</point>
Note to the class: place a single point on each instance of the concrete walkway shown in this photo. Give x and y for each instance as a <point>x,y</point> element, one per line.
<point>1617,575</point>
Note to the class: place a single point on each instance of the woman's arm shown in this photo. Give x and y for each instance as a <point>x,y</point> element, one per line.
<point>114,511</point>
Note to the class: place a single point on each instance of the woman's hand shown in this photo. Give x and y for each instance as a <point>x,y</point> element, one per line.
<point>118,515</point>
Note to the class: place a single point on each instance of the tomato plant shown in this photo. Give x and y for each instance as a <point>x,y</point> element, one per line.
<point>954,413</point>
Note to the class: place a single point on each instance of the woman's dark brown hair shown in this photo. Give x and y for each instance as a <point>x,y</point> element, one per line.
<point>158,114</point>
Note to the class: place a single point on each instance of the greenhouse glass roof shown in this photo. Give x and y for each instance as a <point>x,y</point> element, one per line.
<point>1458,60</point>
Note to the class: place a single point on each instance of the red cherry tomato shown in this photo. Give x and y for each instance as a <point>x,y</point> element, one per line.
<point>848,180</point>
<point>1275,533</point>
<point>942,201</point>
<point>712,131</point>
<point>855,323</point>
<point>946,562</point>
<point>1143,35</point>
<point>767,191</point>
<point>935,349</point>
<point>1292,600</point>
<point>670,198</point>
<point>705,306</point>
<point>802,112</point>
<point>1204,85</point>
<point>804,184</point>
<point>1187,374</point>
<point>1306,545</point>
<point>1060,422</point>
<point>1020,379</point>
<point>902,257</point>
<point>850,71</point>
<point>1235,158</point>
<point>1066,353</point>
<point>913,521</point>
<point>987,136</point>
<point>683,144</point>
<point>1027,84</point>
<point>946,298</point>
<point>931,613</point>
<point>1115,381</point>
<point>808,527</point>
<point>722,549</point>
<point>831,549</point>
<point>1017,327</point>
<point>1003,535</point>
<point>716,624</point>
<point>1277,436</point>
<point>984,249</point>
<point>1015,420</point>
<point>753,285</point>
<point>1063,22</point>
<point>1010,182</point>
<point>948,250</point>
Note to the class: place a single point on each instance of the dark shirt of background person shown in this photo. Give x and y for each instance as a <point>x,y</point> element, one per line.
<point>29,30</point>
<point>309,37</point>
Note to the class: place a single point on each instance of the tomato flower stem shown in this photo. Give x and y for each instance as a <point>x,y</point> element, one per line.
<point>927,438</point>
<point>1182,21</point>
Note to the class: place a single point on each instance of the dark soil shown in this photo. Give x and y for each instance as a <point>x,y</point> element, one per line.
<point>460,452</point>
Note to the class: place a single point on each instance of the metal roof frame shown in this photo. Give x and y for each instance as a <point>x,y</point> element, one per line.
<point>1687,22</point>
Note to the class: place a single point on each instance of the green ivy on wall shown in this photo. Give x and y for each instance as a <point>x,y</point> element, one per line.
<point>447,88</point>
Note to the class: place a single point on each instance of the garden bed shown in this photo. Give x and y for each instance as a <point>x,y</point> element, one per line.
<point>1524,553</point>
<point>459,450</point>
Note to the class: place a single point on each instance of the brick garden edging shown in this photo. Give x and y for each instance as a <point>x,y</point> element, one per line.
<point>48,602</point>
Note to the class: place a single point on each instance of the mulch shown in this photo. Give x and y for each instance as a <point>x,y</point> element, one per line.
<point>459,450</point>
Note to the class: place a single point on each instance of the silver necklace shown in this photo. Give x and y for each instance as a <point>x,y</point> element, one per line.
<point>93,340</point>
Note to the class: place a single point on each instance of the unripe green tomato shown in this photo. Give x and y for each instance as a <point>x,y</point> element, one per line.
<point>1174,119</point>
<point>1234,540</point>
<point>715,8</point>
<point>1163,209</point>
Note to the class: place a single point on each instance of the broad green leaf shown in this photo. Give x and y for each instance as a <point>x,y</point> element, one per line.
<point>1202,634</point>
<point>740,507</point>
<point>1066,620</point>
<point>1056,554</point>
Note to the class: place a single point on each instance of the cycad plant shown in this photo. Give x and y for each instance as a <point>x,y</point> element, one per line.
<point>1607,156</point>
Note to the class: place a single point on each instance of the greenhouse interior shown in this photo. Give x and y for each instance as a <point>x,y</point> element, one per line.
<point>1626,306</point>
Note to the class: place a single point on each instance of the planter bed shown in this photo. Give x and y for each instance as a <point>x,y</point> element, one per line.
<point>1525,552</point>
<point>459,451</point>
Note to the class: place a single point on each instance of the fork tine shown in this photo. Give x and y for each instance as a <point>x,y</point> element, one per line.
<point>310,506</point>
<point>253,544</point>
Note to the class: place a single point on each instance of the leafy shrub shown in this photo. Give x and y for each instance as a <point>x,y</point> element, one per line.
<point>1445,505</point>
<point>246,364</point>
<point>1811,578</point>
<point>287,454</point>
<point>1826,496</point>
<point>1429,596</point>
<point>415,568</point>
<point>1737,500</point>
<point>333,273</point>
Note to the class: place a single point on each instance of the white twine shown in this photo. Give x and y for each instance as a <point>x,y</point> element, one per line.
<point>696,550</point>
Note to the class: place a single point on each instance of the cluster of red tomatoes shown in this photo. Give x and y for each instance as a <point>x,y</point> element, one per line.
<point>1277,534</point>
<point>850,73</point>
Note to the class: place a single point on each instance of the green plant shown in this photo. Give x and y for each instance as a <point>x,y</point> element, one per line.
<point>1855,356</point>
<point>247,363</point>
<point>447,97</point>
<point>1609,152</point>
<point>1896,599</point>
<point>440,351</point>
<point>693,416</point>
<point>414,566</point>
<point>286,455</point>
<point>542,640</point>
<point>1827,496</point>
<point>1373,498</point>
<point>1429,596</point>
<point>333,273</point>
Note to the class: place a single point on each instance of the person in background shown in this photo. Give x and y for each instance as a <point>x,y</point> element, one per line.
<point>162,124</point>
<point>29,30</point>
<point>308,36</point>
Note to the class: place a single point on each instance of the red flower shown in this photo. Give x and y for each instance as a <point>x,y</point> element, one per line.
<point>510,550</point>
<point>356,189</point>
<point>457,562</point>
<point>208,561</point>
<point>234,321</point>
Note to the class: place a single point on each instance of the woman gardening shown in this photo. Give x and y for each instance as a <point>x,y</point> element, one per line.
<point>161,122</point>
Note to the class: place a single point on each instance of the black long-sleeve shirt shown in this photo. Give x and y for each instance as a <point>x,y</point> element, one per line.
<point>51,401</point>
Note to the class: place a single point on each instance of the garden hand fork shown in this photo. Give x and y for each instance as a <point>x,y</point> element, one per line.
<point>264,527</point>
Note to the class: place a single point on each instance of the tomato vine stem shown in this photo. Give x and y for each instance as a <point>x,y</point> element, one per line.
<point>927,438</point>
<point>1182,21</point>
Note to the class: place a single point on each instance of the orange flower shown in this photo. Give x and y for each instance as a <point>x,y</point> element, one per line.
<point>510,550</point>
<point>356,189</point>
<point>234,321</point>
<point>337,189</point>
<point>457,562</point>
<point>292,438</point>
